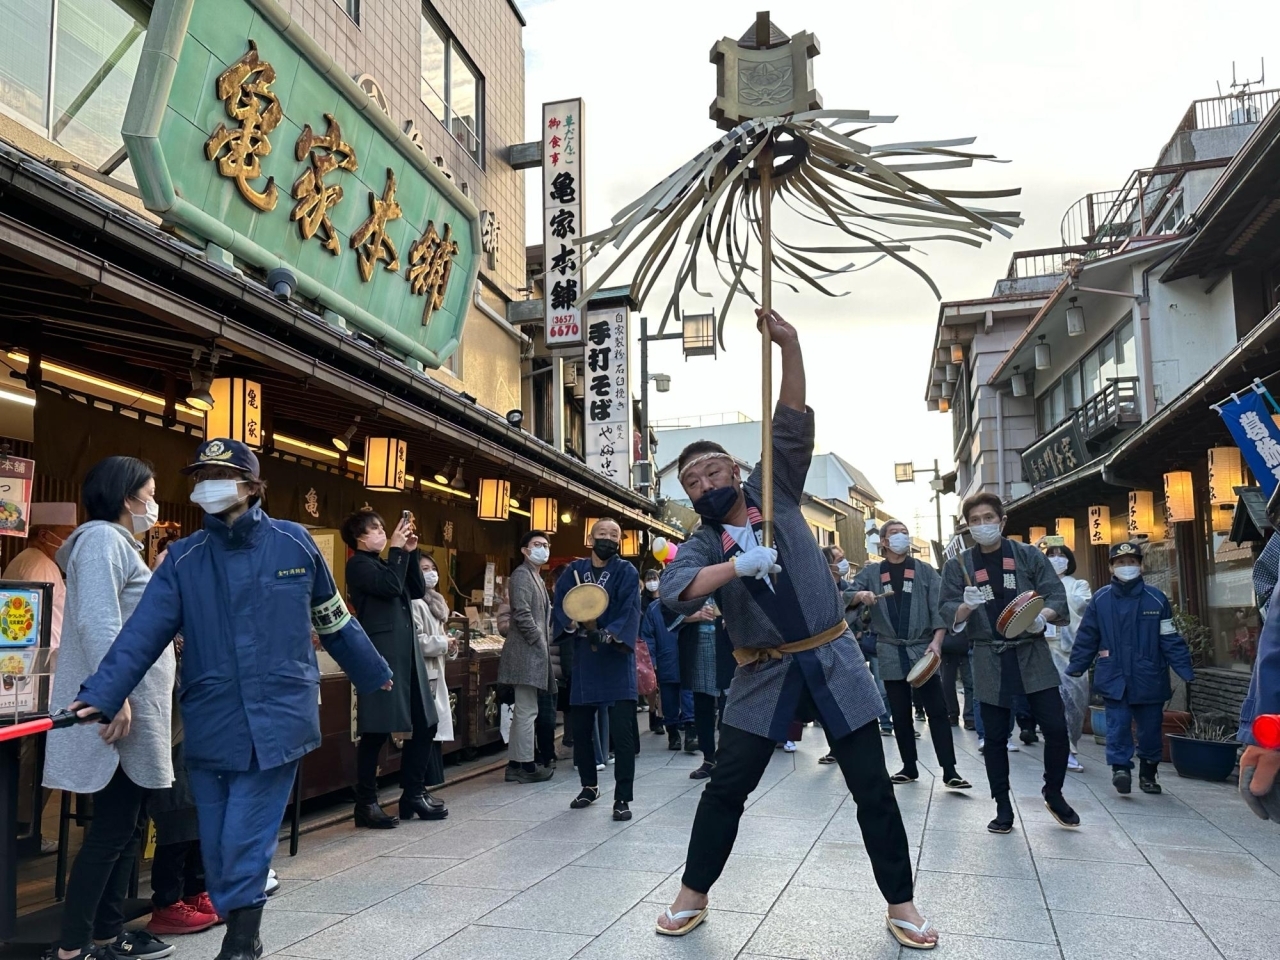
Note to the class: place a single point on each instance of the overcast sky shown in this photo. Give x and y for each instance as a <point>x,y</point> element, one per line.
<point>1074,96</point>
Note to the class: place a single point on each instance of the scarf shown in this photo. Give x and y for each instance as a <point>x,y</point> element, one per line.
<point>439,609</point>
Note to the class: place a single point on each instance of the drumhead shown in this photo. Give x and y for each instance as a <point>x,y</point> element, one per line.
<point>586,602</point>
<point>1019,615</point>
<point>924,668</point>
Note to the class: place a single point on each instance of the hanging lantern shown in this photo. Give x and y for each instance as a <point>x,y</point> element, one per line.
<point>630,543</point>
<point>588,525</point>
<point>1100,526</point>
<point>957,352</point>
<point>948,389</point>
<point>1018,383</point>
<point>494,499</point>
<point>944,405</point>
<point>1141,510</point>
<point>953,372</point>
<point>1044,359</point>
<point>384,459</point>
<point>698,332</point>
<point>1075,319</point>
<point>1179,496</point>
<point>1226,472</point>
<point>1066,527</point>
<point>1036,534</point>
<point>236,412</point>
<point>544,515</point>
<point>1223,516</point>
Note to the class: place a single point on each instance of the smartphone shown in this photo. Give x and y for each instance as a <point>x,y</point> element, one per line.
<point>406,517</point>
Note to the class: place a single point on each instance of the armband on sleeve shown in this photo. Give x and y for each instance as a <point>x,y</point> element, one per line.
<point>1167,629</point>
<point>330,616</point>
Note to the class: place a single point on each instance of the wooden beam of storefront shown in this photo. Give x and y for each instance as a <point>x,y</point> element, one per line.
<point>29,245</point>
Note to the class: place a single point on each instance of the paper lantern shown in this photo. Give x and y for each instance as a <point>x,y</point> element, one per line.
<point>1100,526</point>
<point>1015,537</point>
<point>384,460</point>
<point>1226,472</point>
<point>1036,534</point>
<point>630,543</point>
<point>236,412</point>
<point>494,499</point>
<point>1179,496</point>
<point>957,352</point>
<point>1066,527</point>
<point>544,515</point>
<point>1141,510</point>
<point>944,405</point>
<point>588,524</point>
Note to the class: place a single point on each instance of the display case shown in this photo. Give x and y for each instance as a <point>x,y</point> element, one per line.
<point>486,712</point>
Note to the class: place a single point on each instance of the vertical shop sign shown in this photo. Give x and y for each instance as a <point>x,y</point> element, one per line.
<point>16,475</point>
<point>607,394</point>
<point>562,222</point>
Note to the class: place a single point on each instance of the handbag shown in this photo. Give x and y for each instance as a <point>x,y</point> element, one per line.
<point>646,678</point>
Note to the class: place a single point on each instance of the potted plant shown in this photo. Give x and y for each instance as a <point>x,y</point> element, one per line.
<point>1207,751</point>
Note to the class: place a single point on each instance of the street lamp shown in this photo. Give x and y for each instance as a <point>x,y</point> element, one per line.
<point>906,473</point>
<point>698,336</point>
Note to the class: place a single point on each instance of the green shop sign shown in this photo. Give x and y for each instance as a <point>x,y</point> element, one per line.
<point>242,131</point>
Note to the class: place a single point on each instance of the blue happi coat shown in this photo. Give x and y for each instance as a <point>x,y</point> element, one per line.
<point>659,629</point>
<point>1128,627</point>
<point>608,672</point>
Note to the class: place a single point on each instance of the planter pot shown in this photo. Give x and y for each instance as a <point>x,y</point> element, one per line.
<point>1203,759</point>
<point>1176,722</point>
<point>1098,723</point>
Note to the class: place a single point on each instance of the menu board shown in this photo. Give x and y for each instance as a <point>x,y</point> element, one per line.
<point>24,637</point>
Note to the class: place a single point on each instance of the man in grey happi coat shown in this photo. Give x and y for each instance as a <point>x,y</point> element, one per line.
<point>976,588</point>
<point>902,595</point>
<point>797,659</point>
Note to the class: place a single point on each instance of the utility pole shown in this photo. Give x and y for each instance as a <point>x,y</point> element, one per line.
<point>664,384</point>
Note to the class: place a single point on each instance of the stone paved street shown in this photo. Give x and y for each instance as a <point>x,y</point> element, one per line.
<point>514,873</point>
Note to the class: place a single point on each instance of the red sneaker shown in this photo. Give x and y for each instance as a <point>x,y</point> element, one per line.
<point>179,918</point>
<point>202,904</point>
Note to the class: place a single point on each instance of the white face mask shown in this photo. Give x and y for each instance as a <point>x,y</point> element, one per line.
<point>1130,571</point>
<point>985,534</point>
<point>1059,565</point>
<point>142,522</point>
<point>651,586</point>
<point>539,555</point>
<point>842,567</point>
<point>431,577</point>
<point>900,543</point>
<point>217,496</point>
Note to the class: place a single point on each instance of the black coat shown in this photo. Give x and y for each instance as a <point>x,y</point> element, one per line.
<point>380,591</point>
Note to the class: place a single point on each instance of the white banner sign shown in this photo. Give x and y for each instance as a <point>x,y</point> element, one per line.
<point>562,222</point>
<point>607,394</point>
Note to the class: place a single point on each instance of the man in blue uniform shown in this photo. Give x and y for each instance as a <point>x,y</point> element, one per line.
<point>1128,627</point>
<point>245,592</point>
<point>604,665</point>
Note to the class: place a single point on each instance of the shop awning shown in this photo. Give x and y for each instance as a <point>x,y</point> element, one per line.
<point>1058,497</point>
<point>1250,519</point>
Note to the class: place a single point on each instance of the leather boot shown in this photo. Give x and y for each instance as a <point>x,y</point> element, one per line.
<point>372,816</point>
<point>1147,781</point>
<point>433,801</point>
<point>414,804</point>
<point>241,941</point>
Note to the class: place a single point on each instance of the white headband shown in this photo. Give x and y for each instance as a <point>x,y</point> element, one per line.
<point>697,460</point>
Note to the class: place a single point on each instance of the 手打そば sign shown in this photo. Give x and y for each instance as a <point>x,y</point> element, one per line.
<point>243,133</point>
<point>607,394</point>
<point>562,222</point>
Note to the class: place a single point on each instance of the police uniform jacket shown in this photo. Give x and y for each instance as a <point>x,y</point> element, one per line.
<point>246,598</point>
<point>1128,628</point>
<point>382,592</point>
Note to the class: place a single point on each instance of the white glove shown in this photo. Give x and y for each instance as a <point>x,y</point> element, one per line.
<point>973,598</point>
<point>1038,624</point>
<point>757,562</point>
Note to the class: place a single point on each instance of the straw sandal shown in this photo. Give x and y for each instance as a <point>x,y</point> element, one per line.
<point>896,927</point>
<point>691,917</point>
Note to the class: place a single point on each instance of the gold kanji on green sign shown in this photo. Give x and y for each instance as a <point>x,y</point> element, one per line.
<point>430,263</point>
<point>371,242</point>
<point>245,88</point>
<point>315,197</point>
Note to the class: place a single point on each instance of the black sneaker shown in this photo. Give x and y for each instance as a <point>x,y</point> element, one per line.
<point>673,739</point>
<point>920,715</point>
<point>690,743</point>
<point>1057,805</point>
<point>970,725</point>
<point>1122,779</point>
<point>93,951</point>
<point>140,945</point>
<point>1029,737</point>
<point>1147,781</point>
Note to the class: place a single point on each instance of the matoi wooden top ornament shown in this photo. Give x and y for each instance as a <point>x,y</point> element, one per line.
<point>780,142</point>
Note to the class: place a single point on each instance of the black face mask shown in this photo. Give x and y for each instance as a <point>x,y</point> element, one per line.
<point>716,503</point>
<point>606,550</point>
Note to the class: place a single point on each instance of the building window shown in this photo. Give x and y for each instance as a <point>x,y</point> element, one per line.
<point>451,87</point>
<point>352,7</point>
<point>1113,358</point>
<point>67,68</point>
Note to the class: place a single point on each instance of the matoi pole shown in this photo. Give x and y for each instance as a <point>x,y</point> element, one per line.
<point>766,344</point>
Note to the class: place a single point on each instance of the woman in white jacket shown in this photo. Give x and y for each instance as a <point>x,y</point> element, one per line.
<point>1074,690</point>
<point>430,617</point>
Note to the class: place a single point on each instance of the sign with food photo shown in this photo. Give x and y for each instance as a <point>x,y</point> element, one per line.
<point>15,494</point>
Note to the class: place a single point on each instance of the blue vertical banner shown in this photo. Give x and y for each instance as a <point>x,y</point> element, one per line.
<point>1248,417</point>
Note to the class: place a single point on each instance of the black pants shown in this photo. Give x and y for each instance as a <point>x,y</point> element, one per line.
<point>704,723</point>
<point>997,723</point>
<point>622,721</point>
<point>935,708</point>
<point>741,761</point>
<point>544,730</point>
<point>433,775</point>
<point>177,872</point>
<point>413,758</point>
<point>957,665</point>
<point>99,879</point>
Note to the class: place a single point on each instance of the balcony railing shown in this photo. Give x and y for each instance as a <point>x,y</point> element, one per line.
<point>1229,110</point>
<point>1054,261</point>
<point>1110,410</point>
